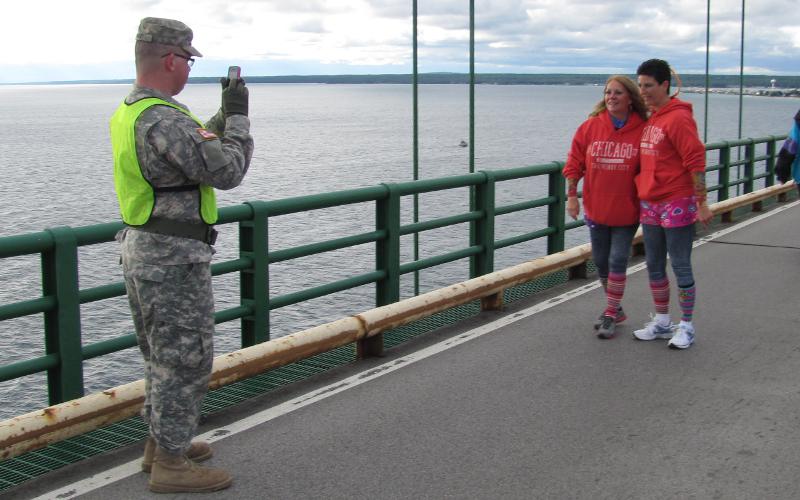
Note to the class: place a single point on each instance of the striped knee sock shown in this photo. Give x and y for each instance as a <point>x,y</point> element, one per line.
<point>660,291</point>
<point>615,288</point>
<point>686,300</point>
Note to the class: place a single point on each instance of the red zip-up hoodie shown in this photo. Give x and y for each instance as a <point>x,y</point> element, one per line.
<point>671,151</point>
<point>608,160</point>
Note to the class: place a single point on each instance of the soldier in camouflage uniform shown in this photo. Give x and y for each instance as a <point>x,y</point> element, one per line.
<point>166,166</point>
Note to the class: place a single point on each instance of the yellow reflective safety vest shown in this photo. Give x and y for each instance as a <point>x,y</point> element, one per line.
<point>135,194</point>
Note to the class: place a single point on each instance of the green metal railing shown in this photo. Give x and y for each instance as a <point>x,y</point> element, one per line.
<point>62,296</point>
<point>751,158</point>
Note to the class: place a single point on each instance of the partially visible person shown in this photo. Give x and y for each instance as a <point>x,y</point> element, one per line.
<point>166,166</point>
<point>788,164</point>
<point>605,154</point>
<point>672,189</point>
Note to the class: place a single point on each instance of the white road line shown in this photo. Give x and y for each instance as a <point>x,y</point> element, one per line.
<point>128,469</point>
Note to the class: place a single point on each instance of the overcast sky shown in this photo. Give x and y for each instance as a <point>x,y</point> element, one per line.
<point>50,40</point>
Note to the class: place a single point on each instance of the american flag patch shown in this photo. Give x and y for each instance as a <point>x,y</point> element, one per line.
<point>207,134</point>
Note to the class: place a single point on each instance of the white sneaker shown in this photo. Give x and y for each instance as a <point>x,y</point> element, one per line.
<point>653,330</point>
<point>683,338</point>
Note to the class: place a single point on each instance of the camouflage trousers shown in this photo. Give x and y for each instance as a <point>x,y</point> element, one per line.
<point>173,313</point>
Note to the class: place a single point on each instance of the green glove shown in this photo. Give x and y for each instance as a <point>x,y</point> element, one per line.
<point>235,97</point>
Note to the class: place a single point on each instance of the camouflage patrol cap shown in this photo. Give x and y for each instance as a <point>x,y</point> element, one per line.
<point>167,32</point>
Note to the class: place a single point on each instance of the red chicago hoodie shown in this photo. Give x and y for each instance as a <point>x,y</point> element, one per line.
<point>608,161</point>
<point>671,151</point>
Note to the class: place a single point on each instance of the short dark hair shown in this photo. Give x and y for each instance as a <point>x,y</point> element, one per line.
<point>658,69</point>
<point>148,54</point>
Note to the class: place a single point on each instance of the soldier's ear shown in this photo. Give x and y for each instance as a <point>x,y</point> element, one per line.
<point>168,62</point>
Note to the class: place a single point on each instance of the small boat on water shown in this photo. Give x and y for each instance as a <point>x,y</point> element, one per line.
<point>463,144</point>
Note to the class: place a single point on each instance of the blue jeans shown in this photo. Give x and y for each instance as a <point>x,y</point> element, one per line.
<point>611,247</point>
<point>675,242</point>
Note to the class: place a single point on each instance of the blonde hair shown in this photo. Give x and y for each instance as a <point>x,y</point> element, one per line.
<point>678,83</point>
<point>637,103</point>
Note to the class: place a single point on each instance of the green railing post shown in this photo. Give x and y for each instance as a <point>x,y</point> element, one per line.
<point>62,326</point>
<point>769,166</point>
<point>387,259</point>
<point>387,250</point>
<point>555,212</point>
<point>750,166</point>
<point>724,173</point>
<point>483,236</point>
<point>724,177</point>
<point>483,229</point>
<point>254,282</point>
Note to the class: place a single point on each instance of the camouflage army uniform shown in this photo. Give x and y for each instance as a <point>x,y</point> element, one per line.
<point>168,278</point>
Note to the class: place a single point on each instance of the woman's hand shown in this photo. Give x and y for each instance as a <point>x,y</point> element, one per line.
<point>573,207</point>
<point>704,214</point>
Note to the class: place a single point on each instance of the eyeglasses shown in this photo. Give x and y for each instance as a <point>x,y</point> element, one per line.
<point>189,60</point>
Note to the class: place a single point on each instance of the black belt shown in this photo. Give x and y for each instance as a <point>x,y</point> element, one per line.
<point>201,232</point>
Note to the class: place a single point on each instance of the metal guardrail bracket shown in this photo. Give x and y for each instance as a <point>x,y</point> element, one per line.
<point>492,302</point>
<point>370,347</point>
<point>578,272</point>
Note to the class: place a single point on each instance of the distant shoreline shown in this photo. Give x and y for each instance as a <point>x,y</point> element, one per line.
<point>753,91</point>
<point>761,85</point>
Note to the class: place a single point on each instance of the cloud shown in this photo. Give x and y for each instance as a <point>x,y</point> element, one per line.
<point>613,34</point>
<point>511,35</point>
<point>309,26</point>
<point>321,7</point>
<point>144,4</point>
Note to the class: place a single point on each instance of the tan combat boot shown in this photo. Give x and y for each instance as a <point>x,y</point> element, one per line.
<point>199,451</point>
<point>174,473</point>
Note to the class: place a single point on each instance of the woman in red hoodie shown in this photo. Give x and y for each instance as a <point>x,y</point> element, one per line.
<point>605,153</point>
<point>672,190</point>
